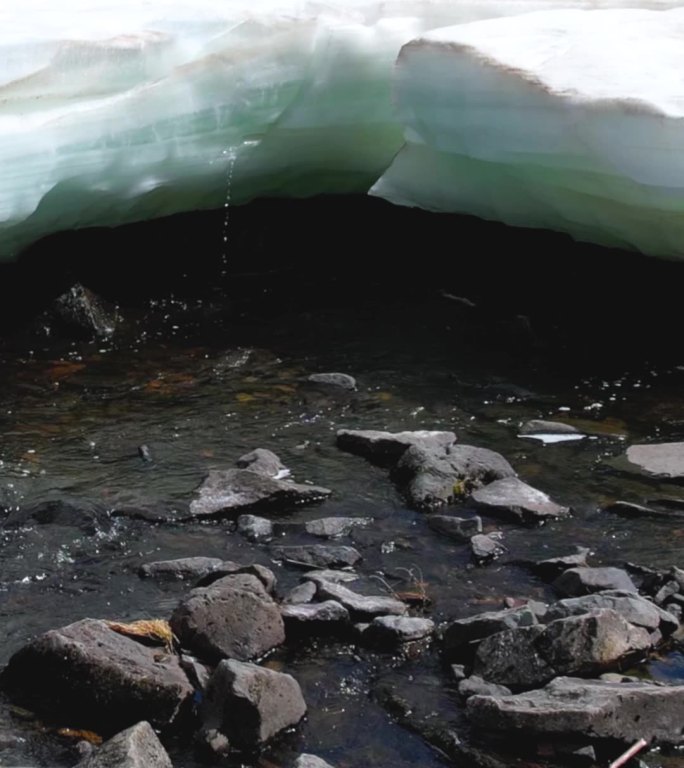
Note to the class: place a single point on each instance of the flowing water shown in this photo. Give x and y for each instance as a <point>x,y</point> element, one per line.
<point>72,416</point>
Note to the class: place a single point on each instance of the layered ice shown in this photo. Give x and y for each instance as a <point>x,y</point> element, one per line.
<point>565,120</point>
<point>112,112</point>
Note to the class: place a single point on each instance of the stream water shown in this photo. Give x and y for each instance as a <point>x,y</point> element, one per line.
<point>200,393</point>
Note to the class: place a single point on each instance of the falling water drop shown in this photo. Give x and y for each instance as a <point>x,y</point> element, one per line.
<point>231,157</point>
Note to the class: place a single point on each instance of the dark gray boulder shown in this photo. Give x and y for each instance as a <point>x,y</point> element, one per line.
<point>579,645</point>
<point>339,380</point>
<point>317,555</point>
<point>233,617</point>
<point>459,528</point>
<point>263,462</point>
<point>514,500</point>
<point>583,581</point>
<point>255,528</point>
<point>462,633</point>
<point>234,491</point>
<point>476,686</point>
<point>331,527</point>
<point>88,676</point>
<point>386,448</point>
<point>390,631</point>
<point>136,747</point>
<point>249,705</point>
<point>592,709</point>
<point>433,476</point>
<point>71,513</point>
<point>179,570</point>
<point>361,607</point>
<point>314,618</point>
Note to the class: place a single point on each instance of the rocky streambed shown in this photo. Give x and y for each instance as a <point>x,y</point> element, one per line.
<point>370,539</point>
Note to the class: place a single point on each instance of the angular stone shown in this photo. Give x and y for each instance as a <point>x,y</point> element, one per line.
<point>361,607</point>
<point>233,617</point>
<point>583,581</point>
<point>340,380</point>
<point>631,606</point>
<point>663,460</point>
<point>463,632</point>
<point>486,546</point>
<point>476,686</point>
<point>554,566</point>
<point>302,593</point>
<point>390,631</point>
<point>229,568</point>
<point>314,617</point>
<point>310,761</point>
<point>249,704</point>
<point>330,527</point>
<point>263,462</point>
<point>91,677</point>
<point>592,709</point>
<point>459,528</point>
<point>336,577</point>
<point>435,475</point>
<point>317,555</point>
<point>514,500</point>
<point>583,645</point>
<point>255,528</point>
<point>234,491</point>
<point>180,569</point>
<point>136,747</point>
<point>386,448</point>
<point>539,426</point>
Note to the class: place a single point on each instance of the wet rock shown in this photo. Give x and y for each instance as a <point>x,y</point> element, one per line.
<point>591,709</point>
<point>136,747</point>
<point>331,527</point>
<point>228,568</point>
<point>145,454</point>
<point>361,607</point>
<point>80,311</point>
<point>180,569</point>
<point>302,593</point>
<point>336,577</point>
<point>314,618</point>
<point>434,475</point>
<point>583,581</point>
<point>71,513</point>
<point>234,491</point>
<point>629,510</point>
<point>390,631</point>
<point>458,672</point>
<point>310,761</point>
<point>87,676</point>
<point>263,462</point>
<point>579,645</point>
<point>514,500</point>
<point>476,686</point>
<point>631,606</point>
<point>459,528</point>
<point>386,448</point>
<point>661,460</point>
<point>197,673</point>
<point>317,555</point>
<point>486,547</point>
<point>249,704</point>
<point>553,567</point>
<point>152,511</point>
<point>539,426</point>
<point>462,633</point>
<point>233,617</point>
<point>255,528</point>
<point>340,380</point>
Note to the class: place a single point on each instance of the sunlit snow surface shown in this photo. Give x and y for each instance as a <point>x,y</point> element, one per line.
<point>121,111</point>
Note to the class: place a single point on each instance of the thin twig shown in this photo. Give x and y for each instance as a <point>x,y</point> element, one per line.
<point>629,754</point>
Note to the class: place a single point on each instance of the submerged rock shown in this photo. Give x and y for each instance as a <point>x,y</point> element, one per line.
<point>331,527</point>
<point>180,569</point>
<point>233,491</point>
<point>583,581</point>
<point>136,747</point>
<point>517,501</point>
<point>386,448</point>
<point>459,528</point>
<point>71,513</point>
<point>255,528</point>
<point>434,475</point>
<point>340,380</point>
<point>592,709</point>
<point>233,617</point>
<point>390,631</point>
<point>263,462</point>
<point>486,547</point>
<point>249,705</point>
<point>578,645</point>
<point>317,555</point>
<point>86,675</point>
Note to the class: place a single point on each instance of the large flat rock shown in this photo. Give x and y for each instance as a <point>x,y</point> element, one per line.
<point>514,500</point>
<point>386,448</point>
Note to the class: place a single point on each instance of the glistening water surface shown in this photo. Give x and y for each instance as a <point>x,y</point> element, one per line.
<point>200,393</point>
